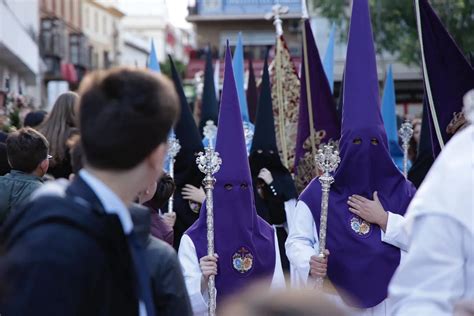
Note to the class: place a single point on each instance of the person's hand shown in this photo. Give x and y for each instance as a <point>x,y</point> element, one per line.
<point>208,265</point>
<point>266,176</point>
<point>190,192</point>
<point>318,265</point>
<point>370,211</point>
<point>169,218</point>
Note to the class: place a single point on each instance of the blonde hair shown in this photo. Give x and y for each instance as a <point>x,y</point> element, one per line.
<point>59,125</point>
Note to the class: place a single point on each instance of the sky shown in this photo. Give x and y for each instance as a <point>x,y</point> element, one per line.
<point>178,10</point>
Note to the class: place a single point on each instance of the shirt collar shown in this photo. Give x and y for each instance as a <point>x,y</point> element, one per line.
<point>110,201</point>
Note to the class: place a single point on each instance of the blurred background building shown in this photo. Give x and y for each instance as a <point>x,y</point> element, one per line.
<point>215,21</point>
<point>102,26</point>
<point>47,46</point>
<point>20,62</point>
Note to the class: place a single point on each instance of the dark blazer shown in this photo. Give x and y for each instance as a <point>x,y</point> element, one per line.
<point>65,256</point>
<point>169,290</point>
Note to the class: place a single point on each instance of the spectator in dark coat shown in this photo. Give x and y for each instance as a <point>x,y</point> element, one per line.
<point>77,254</point>
<point>162,222</point>
<point>169,290</point>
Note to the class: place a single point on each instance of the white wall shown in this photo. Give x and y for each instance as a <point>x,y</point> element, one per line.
<point>135,51</point>
<point>19,53</point>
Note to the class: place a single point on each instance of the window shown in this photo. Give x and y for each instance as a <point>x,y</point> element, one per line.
<point>86,17</point>
<point>104,25</point>
<point>79,50</point>
<point>71,13</point>
<point>52,37</point>
<point>96,22</point>
<point>107,61</point>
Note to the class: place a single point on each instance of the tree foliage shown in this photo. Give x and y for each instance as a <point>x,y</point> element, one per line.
<point>394,23</point>
<point>166,68</point>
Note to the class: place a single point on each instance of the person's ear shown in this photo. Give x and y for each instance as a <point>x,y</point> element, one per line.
<point>157,157</point>
<point>44,165</point>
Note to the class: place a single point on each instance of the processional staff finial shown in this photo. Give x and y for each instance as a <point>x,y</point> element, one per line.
<point>209,163</point>
<point>327,160</point>
<point>277,11</point>
<point>405,132</point>
<point>173,149</point>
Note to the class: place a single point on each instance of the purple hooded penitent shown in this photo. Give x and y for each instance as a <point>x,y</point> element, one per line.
<point>448,74</point>
<point>244,242</point>
<point>360,264</point>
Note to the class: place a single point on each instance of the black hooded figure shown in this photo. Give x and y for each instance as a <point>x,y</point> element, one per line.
<point>185,168</point>
<point>272,182</point>
<point>424,159</point>
<point>209,107</point>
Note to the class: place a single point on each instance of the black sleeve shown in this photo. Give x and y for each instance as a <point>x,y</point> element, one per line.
<point>52,270</point>
<point>275,203</point>
<point>169,289</point>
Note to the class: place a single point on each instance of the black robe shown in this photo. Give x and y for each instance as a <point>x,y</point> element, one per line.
<point>270,202</point>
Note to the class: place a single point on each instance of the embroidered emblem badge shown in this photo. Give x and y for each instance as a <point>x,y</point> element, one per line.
<point>242,260</point>
<point>360,226</point>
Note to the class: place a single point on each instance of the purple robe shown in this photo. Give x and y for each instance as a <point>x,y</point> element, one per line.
<point>244,242</point>
<point>360,264</point>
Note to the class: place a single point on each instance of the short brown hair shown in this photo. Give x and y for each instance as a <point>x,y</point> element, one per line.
<point>26,149</point>
<point>124,114</point>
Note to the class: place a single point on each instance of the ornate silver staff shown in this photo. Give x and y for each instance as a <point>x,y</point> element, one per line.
<point>173,149</point>
<point>210,132</point>
<point>405,132</point>
<point>327,160</point>
<point>209,163</point>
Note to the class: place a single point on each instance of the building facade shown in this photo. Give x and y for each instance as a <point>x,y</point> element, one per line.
<point>20,63</point>
<point>135,51</point>
<point>102,26</point>
<point>63,45</point>
<point>149,20</point>
<point>217,21</point>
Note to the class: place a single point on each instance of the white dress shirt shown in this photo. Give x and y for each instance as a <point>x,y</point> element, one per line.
<point>192,274</point>
<point>112,205</point>
<point>438,270</point>
<point>302,243</point>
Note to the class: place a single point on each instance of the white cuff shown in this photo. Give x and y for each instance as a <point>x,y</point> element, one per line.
<point>394,233</point>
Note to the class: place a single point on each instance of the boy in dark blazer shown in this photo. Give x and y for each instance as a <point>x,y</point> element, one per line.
<point>72,250</point>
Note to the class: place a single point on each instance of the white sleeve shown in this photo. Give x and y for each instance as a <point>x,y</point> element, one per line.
<point>432,277</point>
<point>394,233</point>
<point>278,279</point>
<point>290,209</point>
<point>192,275</point>
<point>301,244</point>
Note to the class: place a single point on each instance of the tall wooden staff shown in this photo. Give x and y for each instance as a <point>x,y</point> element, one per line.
<point>309,99</point>
<point>173,149</point>
<point>209,163</point>
<point>327,160</point>
<point>405,132</point>
<point>277,11</point>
